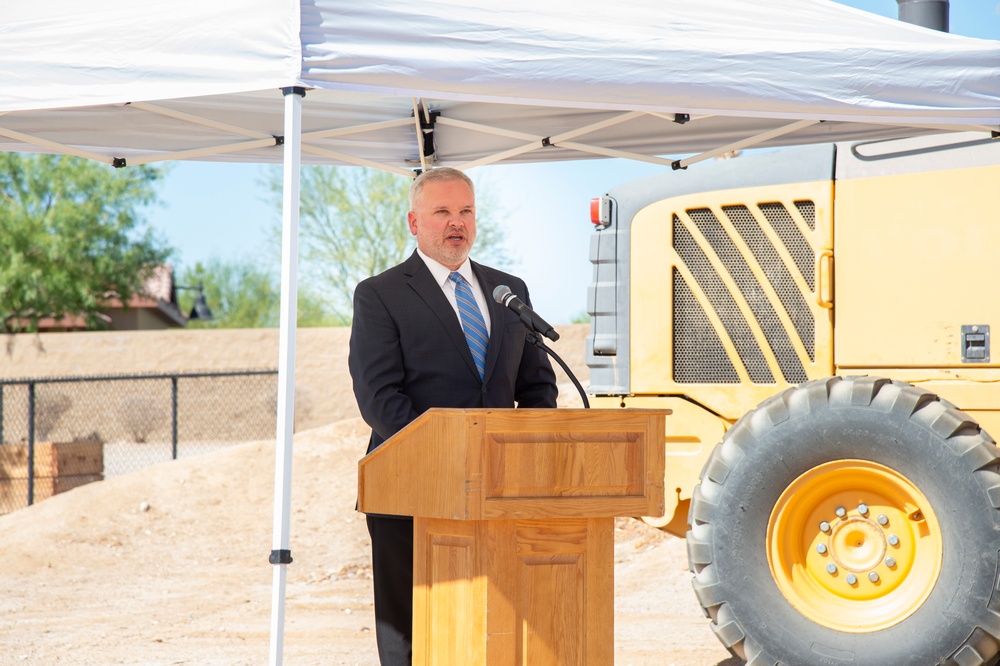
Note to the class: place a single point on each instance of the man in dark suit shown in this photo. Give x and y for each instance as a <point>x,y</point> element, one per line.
<point>426,333</point>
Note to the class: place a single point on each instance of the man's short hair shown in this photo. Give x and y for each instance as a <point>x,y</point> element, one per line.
<point>440,174</point>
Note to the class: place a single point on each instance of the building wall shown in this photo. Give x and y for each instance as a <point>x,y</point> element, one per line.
<point>137,319</point>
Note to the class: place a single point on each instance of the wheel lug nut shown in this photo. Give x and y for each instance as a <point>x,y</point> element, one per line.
<point>873,576</point>
<point>824,526</point>
<point>863,509</point>
<point>890,562</point>
<point>851,579</point>
<point>831,568</point>
<point>841,512</point>
<point>821,548</point>
<point>893,540</point>
<point>883,519</point>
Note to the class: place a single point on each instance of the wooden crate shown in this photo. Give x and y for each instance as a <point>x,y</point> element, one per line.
<point>59,466</point>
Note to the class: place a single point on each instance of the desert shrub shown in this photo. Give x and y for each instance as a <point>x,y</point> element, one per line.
<point>50,406</point>
<point>139,416</point>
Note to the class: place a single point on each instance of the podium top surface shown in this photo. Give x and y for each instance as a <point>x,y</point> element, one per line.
<point>492,464</point>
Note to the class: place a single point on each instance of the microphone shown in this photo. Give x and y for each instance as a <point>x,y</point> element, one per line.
<point>504,296</point>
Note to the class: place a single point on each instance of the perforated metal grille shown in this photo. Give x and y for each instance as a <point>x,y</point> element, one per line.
<point>699,356</point>
<point>725,307</point>
<point>807,209</point>
<point>778,275</point>
<point>790,234</point>
<point>753,294</point>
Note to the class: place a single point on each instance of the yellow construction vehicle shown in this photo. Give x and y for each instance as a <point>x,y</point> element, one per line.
<point>818,321</point>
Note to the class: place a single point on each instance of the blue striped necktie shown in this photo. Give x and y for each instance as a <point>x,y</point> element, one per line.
<point>472,322</point>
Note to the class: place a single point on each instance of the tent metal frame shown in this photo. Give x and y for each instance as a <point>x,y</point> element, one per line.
<point>420,119</point>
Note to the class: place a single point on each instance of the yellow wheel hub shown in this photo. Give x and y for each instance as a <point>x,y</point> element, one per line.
<point>854,546</point>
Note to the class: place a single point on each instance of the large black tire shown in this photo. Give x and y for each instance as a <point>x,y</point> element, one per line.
<point>872,423</point>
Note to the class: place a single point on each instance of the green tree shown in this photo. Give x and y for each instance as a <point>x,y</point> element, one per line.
<point>353,225</point>
<point>244,294</point>
<point>72,237</point>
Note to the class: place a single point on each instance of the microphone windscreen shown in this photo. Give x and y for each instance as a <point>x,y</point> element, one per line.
<point>500,293</point>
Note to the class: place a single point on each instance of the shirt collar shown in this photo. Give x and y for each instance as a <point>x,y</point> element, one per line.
<point>441,272</point>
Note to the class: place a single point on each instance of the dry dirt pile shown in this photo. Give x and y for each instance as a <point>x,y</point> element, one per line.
<point>169,566</point>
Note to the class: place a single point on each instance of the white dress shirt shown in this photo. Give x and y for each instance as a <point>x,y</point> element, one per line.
<point>441,275</point>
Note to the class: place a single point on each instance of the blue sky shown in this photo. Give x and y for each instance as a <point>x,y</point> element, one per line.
<point>219,210</point>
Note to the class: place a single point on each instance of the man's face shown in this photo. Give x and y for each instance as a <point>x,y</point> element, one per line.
<point>444,221</point>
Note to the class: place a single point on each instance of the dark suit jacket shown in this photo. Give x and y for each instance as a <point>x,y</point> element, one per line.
<point>408,351</point>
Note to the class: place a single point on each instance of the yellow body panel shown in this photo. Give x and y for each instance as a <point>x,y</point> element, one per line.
<point>912,268</point>
<point>889,269</point>
<point>654,262</point>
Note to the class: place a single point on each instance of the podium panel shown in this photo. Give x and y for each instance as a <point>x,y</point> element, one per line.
<point>449,592</point>
<point>536,592</point>
<point>513,517</point>
<point>591,464</point>
<point>476,464</point>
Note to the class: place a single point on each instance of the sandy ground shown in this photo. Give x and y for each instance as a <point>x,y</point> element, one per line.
<point>168,565</point>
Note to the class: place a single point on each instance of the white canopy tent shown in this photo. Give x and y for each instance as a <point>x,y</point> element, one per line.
<point>403,85</point>
<point>188,79</point>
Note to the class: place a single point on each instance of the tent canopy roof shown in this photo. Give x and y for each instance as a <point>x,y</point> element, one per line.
<point>189,79</point>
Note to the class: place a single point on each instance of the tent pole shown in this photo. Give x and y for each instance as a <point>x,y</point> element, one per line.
<point>281,556</point>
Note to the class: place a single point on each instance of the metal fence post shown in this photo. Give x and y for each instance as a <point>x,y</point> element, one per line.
<point>173,416</point>
<point>31,443</point>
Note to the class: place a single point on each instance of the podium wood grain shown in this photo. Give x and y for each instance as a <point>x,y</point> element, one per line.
<point>514,527</point>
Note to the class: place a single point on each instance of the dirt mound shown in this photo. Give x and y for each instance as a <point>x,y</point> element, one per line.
<point>169,566</point>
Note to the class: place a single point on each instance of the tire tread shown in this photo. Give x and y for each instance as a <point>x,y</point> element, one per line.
<point>913,404</point>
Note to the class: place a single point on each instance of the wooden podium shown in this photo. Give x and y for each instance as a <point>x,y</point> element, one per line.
<point>514,527</point>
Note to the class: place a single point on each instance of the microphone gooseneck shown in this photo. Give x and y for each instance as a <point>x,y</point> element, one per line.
<point>535,324</point>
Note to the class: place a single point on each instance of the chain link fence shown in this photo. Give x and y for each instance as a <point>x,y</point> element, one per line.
<point>62,432</point>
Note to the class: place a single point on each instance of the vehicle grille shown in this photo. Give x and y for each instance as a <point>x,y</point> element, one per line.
<point>699,355</point>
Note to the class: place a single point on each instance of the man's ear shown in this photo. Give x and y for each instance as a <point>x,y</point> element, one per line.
<point>411,220</point>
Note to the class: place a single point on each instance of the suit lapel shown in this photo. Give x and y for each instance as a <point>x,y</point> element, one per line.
<point>429,291</point>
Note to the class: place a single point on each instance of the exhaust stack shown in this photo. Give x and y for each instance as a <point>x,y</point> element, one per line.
<point>931,14</point>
